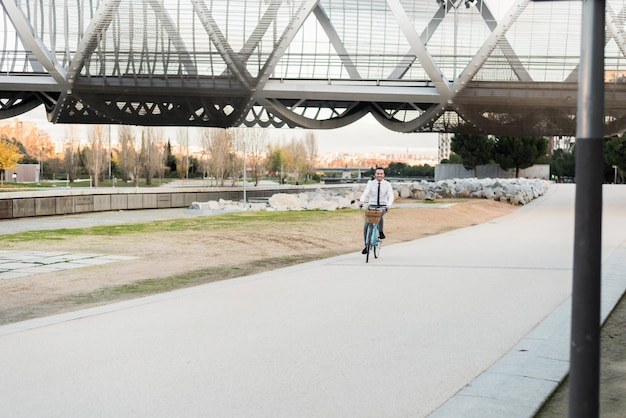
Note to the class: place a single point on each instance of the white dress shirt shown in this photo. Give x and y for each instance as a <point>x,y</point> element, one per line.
<point>370,194</point>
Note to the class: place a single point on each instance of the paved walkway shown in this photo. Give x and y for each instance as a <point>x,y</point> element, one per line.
<point>474,322</point>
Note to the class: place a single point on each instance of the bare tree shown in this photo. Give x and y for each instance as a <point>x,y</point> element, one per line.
<point>182,155</point>
<point>162,168</point>
<point>205,143</point>
<point>152,152</point>
<point>237,154</point>
<point>296,158</point>
<point>96,154</point>
<point>126,153</point>
<point>256,152</point>
<point>310,144</point>
<point>71,156</point>
<point>137,164</point>
<point>220,150</point>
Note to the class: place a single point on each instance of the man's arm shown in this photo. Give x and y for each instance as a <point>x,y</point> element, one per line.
<point>366,192</point>
<point>389,196</point>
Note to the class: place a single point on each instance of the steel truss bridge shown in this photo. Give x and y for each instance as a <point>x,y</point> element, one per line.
<point>507,67</point>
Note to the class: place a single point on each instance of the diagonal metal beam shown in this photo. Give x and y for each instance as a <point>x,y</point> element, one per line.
<point>264,23</point>
<point>304,10</point>
<point>614,26</point>
<point>427,33</point>
<point>232,60</point>
<point>489,19</point>
<point>101,22</point>
<point>505,46</point>
<point>170,28</point>
<point>490,44</point>
<point>614,23</point>
<point>420,51</point>
<point>33,43</point>
<point>90,39</point>
<point>333,36</point>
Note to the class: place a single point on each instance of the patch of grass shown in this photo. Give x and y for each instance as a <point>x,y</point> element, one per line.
<point>242,220</point>
<point>149,287</point>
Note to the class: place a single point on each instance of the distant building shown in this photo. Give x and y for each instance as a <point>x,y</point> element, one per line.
<point>26,173</point>
<point>444,146</point>
<point>560,142</point>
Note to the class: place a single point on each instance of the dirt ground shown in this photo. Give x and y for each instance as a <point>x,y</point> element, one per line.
<point>186,258</point>
<point>170,253</point>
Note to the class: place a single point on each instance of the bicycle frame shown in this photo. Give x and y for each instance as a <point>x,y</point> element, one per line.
<point>374,235</point>
<point>372,241</point>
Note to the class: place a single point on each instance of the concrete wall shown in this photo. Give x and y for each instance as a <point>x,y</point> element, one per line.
<point>457,171</point>
<point>6,209</point>
<point>67,201</point>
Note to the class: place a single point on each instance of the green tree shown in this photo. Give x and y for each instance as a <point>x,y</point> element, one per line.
<point>295,158</point>
<point>400,169</point>
<point>563,163</point>
<point>9,156</point>
<point>518,152</point>
<point>276,161</point>
<point>453,159</point>
<point>396,169</point>
<point>170,159</point>
<point>25,157</point>
<point>474,149</point>
<point>615,154</point>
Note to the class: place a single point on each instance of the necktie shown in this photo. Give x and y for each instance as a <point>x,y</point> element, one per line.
<point>378,196</point>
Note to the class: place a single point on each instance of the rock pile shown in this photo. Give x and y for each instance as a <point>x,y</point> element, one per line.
<point>320,199</point>
<point>514,191</point>
<point>517,191</point>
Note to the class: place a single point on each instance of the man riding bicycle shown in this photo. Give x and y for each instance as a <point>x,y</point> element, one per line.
<point>379,194</point>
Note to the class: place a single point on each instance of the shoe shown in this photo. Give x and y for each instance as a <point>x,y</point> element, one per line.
<point>364,251</point>
<point>381,235</point>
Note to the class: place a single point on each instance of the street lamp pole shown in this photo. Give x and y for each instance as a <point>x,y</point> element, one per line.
<point>584,385</point>
<point>109,152</point>
<point>244,172</point>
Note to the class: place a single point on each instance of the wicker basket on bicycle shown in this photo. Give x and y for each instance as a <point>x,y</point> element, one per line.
<point>372,216</point>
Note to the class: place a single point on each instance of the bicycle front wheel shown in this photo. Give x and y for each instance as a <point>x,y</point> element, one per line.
<point>376,248</point>
<point>368,242</point>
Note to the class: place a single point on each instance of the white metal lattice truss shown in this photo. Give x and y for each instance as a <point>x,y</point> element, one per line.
<point>491,66</point>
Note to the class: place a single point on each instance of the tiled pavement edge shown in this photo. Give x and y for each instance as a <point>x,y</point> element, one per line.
<point>15,264</point>
<point>519,383</point>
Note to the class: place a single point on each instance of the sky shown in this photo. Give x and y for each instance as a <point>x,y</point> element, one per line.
<point>363,136</point>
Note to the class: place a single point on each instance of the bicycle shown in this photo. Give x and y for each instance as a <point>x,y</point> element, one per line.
<point>373,242</point>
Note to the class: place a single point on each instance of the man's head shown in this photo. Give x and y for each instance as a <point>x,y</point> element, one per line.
<point>379,173</point>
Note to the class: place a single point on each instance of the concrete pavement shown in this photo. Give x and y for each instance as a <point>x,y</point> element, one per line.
<point>474,322</point>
